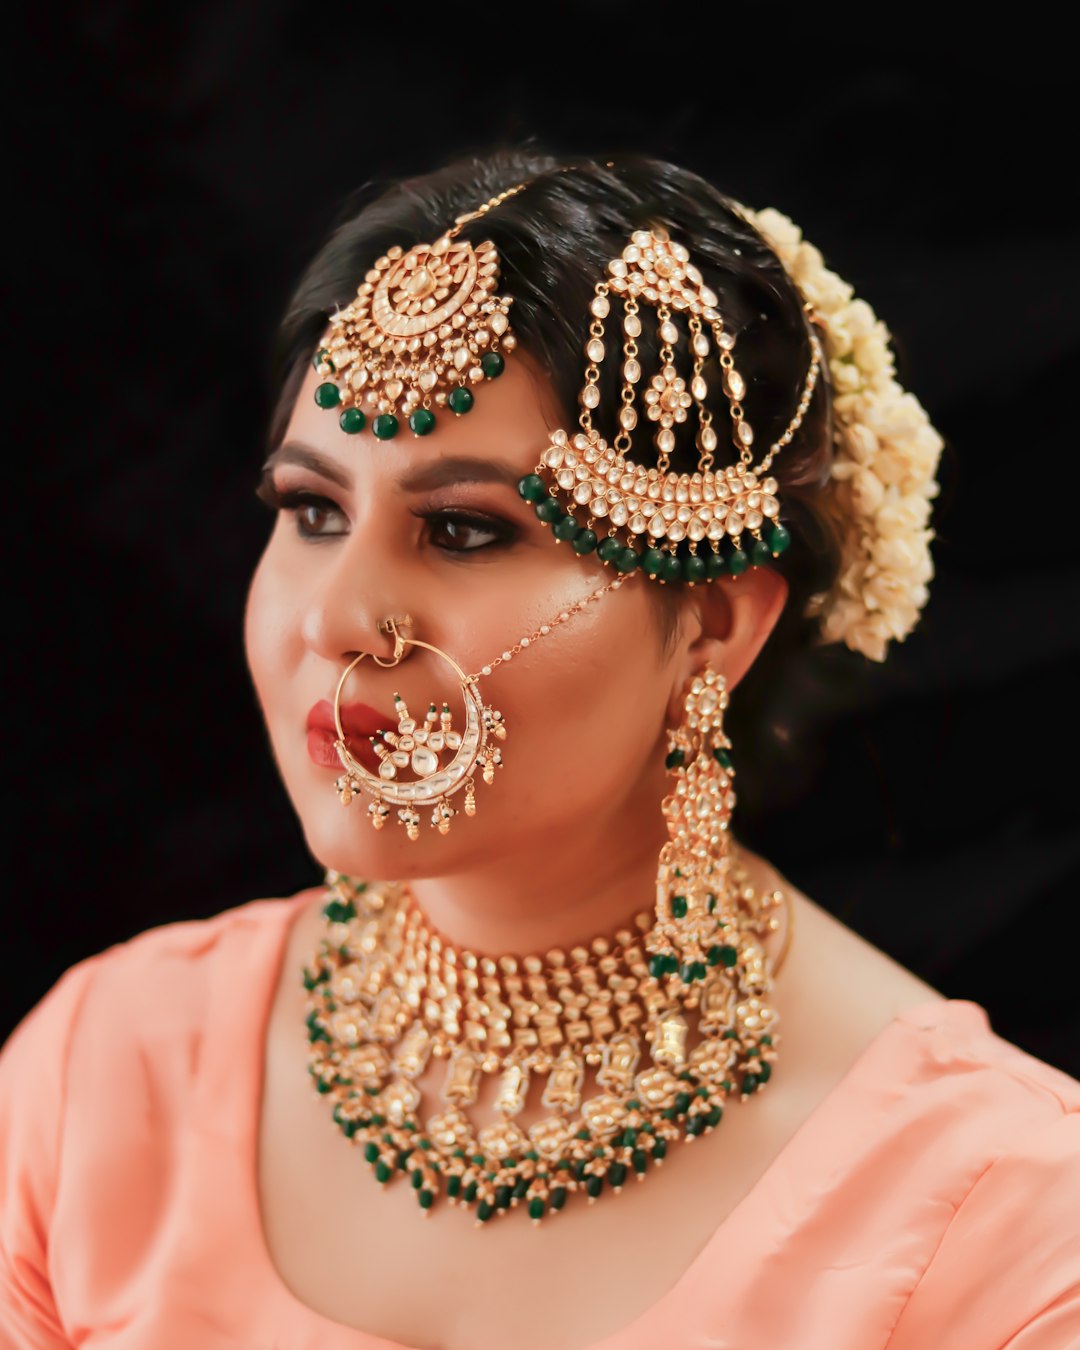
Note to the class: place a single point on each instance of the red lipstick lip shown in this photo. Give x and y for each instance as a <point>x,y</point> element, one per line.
<point>357,719</point>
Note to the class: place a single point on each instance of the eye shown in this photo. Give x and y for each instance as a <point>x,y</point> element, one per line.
<point>316,517</point>
<point>458,533</point>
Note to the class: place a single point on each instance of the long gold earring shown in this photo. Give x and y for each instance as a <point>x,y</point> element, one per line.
<point>693,876</point>
<point>417,746</point>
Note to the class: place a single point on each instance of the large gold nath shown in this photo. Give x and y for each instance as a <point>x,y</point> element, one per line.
<point>648,513</point>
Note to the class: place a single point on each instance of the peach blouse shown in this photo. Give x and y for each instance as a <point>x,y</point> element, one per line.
<point>930,1202</point>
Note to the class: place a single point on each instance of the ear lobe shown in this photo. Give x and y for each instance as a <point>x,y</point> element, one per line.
<point>736,615</point>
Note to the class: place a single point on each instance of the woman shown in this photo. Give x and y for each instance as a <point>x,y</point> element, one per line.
<point>565,454</point>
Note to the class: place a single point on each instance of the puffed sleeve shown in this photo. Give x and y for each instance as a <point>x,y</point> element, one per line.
<point>1006,1274</point>
<point>33,1065</point>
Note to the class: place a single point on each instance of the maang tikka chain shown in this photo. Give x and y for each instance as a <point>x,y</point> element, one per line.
<point>417,746</point>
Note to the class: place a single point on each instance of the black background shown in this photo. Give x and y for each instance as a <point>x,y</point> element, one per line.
<point>173,172</point>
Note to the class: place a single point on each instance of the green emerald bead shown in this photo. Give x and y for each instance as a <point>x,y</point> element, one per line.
<point>382,1171</point>
<point>484,1211</point>
<point>681,1102</point>
<point>469,1194</point>
<point>695,1124</point>
<point>594,1185</point>
<point>320,356</point>
<point>421,422</point>
<point>608,549</point>
<point>322,1088</point>
<point>759,554</point>
<point>311,979</point>
<point>675,759</point>
<point>492,364</point>
<point>652,560</point>
<point>672,569</point>
<point>715,1114</point>
<point>584,541</point>
<point>453,1186</point>
<point>536,1208</point>
<point>502,1197</point>
<point>729,955</point>
<point>426,1198</point>
<point>712,956</point>
<point>723,758</point>
<point>711,906</point>
<point>549,511</point>
<point>385,426</point>
<point>478,1159</point>
<point>417,1179</point>
<point>715,566</point>
<point>403,1158</point>
<point>687,972</point>
<point>558,1197</point>
<point>626,560</point>
<point>532,487</point>
<point>750,1082</point>
<point>583,1133</point>
<point>339,911</point>
<point>672,963</point>
<point>678,906</point>
<point>694,569</point>
<point>460,400</point>
<point>640,1159</point>
<point>521,1187</point>
<point>328,395</point>
<point>766,1040</point>
<point>659,1148</point>
<point>371,1152</point>
<point>765,1071</point>
<point>629,1138</point>
<point>738,562</point>
<point>616,1173</point>
<point>699,970</point>
<point>779,539</point>
<point>351,421</point>
<point>658,967</point>
<point>565,528</point>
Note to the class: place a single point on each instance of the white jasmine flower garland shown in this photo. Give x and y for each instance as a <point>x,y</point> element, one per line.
<point>885,460</point>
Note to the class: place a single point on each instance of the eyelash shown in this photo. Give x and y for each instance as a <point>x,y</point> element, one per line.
<point>276,500</point>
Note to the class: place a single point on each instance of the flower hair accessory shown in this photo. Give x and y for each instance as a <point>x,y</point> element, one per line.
<point>886,456</point>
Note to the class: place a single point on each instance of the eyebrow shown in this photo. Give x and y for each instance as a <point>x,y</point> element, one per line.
<point>440,473</point>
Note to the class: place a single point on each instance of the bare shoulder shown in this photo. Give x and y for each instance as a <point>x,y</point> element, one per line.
<point>833,983</point>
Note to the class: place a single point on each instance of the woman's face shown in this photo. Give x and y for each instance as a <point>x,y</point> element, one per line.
<point>435,528</point>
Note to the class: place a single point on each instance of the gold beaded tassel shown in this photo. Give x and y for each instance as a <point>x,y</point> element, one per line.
<point>693,876</point>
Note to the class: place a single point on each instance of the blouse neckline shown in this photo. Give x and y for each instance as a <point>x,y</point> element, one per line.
<point>284,1312</point>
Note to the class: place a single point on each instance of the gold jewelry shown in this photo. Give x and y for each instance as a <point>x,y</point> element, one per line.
<point>425,325</point>
<point>417,745</point>
<point>657,519</point>
<point>388,625</point>
<point>389,997</point>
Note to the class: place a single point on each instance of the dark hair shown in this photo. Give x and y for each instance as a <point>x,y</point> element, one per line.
<point>554,240</point>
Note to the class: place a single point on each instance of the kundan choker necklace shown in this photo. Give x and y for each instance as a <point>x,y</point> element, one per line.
<point>388,996</point>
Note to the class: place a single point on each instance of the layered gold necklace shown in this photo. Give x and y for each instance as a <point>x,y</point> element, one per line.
<point>387,995</point>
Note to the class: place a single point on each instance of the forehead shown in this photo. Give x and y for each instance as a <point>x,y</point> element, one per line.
<point>509,423</point>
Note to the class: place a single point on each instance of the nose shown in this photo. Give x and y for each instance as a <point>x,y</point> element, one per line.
<point>344,609</point>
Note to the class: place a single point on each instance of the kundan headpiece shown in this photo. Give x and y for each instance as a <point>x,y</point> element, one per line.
<point>427,326</point>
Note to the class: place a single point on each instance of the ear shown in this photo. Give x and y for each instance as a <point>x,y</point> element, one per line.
<point>727,622</point>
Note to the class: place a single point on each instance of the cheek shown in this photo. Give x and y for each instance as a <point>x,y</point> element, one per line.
<point>270,638</point>
<point>584,712</point>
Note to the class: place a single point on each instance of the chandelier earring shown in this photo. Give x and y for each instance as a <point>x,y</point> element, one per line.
<point>695,930</point>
